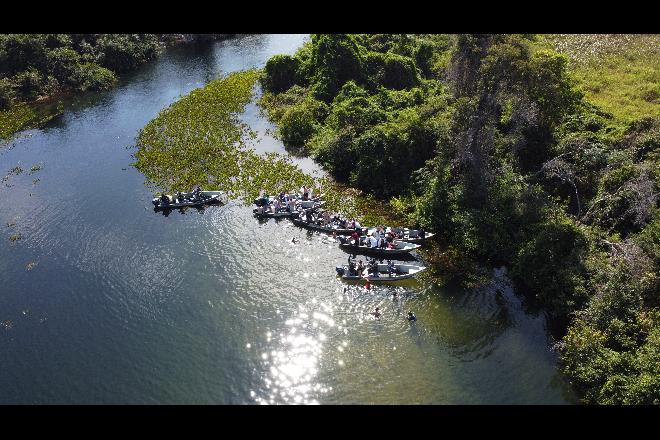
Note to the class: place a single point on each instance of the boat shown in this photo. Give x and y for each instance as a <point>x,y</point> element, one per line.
<point>386,273</point>
<point>267,213</point>
<point>401,248</point>
<point>188,200</point>
<point>267,200</point>
<point>327,229</point>
<point>406,234</point>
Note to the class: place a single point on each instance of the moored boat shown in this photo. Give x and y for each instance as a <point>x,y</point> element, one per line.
<point>267,213</point>
<point>327,229</point>
<point>182,200</point>
<point>406,234</point>
<point>384,272</point>
<point>401,248</point>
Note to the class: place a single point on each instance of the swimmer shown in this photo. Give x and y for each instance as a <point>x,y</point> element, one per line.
<point>294,241</point>
<point>395,295</point>
<point>411,316</point>
<point>376,313</point>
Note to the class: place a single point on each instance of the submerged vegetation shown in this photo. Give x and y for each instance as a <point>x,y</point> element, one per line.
<point>515,154</point>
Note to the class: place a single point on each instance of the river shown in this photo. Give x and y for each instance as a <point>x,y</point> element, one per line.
<point>104,301</point>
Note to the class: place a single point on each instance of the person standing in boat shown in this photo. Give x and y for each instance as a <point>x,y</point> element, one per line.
<point>356,237</point>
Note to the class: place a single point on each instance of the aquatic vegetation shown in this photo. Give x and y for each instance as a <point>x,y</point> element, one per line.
<point>35,168</point>
<point>16,118</point>
<point>201,140</point>
<point>15,237</point>
<point>31,265</point>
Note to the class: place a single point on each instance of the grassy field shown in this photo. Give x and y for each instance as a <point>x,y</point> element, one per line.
<point>618,73</point>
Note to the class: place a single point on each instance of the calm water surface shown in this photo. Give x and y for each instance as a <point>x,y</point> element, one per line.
<point>124,305</point>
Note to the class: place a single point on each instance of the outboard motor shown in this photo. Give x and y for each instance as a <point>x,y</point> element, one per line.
<point>155,202</point>
<point>340,270</point>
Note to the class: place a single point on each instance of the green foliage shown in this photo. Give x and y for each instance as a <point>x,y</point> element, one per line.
<point>14,119</point>
<point>493,142</point>
<point>120,53</point>
<point>335,59</point>
<point>300,122</point>
<point>550,265</point>
<point>280,73</point>
<point>7,93</point>
<point>199,140</point>
<point>31,84</point>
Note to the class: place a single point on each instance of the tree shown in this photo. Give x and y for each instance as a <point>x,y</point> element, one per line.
<point>280,73</point>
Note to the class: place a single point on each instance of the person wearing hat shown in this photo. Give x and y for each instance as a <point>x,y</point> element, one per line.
<point>411,316</point>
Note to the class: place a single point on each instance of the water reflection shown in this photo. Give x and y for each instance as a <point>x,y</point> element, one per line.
<point>293,366</point>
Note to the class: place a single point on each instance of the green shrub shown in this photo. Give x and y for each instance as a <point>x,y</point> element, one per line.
<point>297,125</point>
<point>550,265</point>
<point>31,84</point>
<point>91,76</point>
<point>62,64</point>
<point>7,93</point>
<point>280,73</point>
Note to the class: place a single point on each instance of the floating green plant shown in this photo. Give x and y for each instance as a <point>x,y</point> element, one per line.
<point>201,140</point>
<point>15,237</point>
<point>16,118</point>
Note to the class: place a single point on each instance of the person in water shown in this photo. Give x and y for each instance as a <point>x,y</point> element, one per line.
<point>411,316</point>
<point>377,313</point>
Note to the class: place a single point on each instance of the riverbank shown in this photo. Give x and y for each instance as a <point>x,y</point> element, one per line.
<point>69,72</point>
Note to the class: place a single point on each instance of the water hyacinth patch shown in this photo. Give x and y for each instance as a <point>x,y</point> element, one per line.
<point>200,140</point>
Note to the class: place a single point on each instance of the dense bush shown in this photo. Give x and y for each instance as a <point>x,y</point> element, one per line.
<point>7,93</point>
<point>35,65</point>
<point>280,73</point>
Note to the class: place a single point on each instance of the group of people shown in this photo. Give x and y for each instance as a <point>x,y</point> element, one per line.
<point>283,201</point>
<point>194,195</point>
<point>377,239</point>
<point>371,268</point>
<point>327,220</point>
